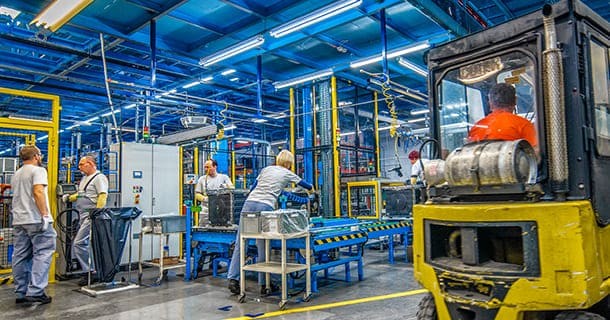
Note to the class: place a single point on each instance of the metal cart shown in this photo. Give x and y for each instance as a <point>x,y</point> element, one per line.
<point>282,267</point>
<point>161,226</point>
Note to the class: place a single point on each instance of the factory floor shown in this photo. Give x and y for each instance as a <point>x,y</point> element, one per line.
<point>387,292</point>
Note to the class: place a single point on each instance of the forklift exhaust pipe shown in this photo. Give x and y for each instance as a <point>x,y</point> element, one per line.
<point>555,107</point>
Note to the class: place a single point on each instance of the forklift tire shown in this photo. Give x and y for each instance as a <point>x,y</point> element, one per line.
<point>427,309</point>
<point>578,315</point>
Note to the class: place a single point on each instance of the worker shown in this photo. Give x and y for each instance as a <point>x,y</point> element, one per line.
<point>264,197</point>
<point>92,193</point>
<point>502,123</point>
<point>417,172</point>
<point>212,180</point>
<point>34,236</point>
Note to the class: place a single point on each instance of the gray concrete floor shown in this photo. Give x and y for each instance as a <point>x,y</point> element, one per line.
<point>202,298</point>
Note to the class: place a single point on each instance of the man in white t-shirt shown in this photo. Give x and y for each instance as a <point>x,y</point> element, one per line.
<point>212,180</point>
<point>34,236</point>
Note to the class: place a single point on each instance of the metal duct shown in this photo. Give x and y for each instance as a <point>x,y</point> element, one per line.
<point>555,107</point>
<point>188,135</point>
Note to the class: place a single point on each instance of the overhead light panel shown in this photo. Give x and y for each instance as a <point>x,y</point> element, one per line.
<point>301,79</point>
<point>206,79</point>
<point>417,120</point>
<point>59,12</point>
<point>9,12</point>
<point>412,66</point>
<point>110,112</point>
<point>418,112</point>
<point>392,54</point>
<point>129,106</point>
<point>226,72</point>
<point>232,51</point>
<point>230,127</point>
<point>259,120</point>
<point>314,17</point>
<point>192,84</point>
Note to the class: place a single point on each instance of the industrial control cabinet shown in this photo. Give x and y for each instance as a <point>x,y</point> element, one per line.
<point>148,178</point>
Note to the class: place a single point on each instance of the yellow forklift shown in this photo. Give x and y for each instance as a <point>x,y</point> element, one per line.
<point>511,231</point>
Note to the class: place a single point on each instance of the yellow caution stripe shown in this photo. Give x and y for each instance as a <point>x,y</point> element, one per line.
<point>339,238</point>
<point>389,226</point>
<point>335,304</point>
<point>6,280</point>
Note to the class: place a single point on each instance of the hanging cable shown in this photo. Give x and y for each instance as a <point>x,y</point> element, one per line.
<point>107,85</point>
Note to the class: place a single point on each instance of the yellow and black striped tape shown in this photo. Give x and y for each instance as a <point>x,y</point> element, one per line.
<point>339,238</point>
<point>389,226</point>
<point>6,280</point>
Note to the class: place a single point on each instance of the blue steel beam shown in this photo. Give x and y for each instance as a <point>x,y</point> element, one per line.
<point>434,12</point>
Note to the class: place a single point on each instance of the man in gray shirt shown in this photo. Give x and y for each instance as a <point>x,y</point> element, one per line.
<point>34,242</point>
<point>212,180</point>
<point>92,193</point>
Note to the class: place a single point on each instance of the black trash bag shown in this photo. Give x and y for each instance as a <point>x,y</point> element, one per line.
<point>109,232</point>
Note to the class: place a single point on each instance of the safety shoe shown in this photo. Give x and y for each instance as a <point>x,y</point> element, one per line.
<point>41,299</point>
<point>85,280</point>
<point>234,286</point>
<point>20,300</point>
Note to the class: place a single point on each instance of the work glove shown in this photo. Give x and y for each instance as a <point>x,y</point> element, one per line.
<point>199,197</point>
<point>64,198</point>
<point>73,197</point>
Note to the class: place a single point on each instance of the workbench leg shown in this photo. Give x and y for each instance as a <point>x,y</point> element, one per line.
<point>348,273</point>
<point>284,287</point>
<point>391,249</point>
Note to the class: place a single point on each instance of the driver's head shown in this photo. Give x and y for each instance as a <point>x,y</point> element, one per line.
<point>502,96</point>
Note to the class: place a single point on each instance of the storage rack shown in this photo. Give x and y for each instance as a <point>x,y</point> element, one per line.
<point>268,267</point>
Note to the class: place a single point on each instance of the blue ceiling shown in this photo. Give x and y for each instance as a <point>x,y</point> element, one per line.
<point>69,62</point>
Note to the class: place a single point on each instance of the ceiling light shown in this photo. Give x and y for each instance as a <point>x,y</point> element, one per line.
<point>192,84</point>
<point>129,106</point>
<point>391,54</point>
<point>206,79</point>
<point>42,137</point>
<point>110,112</point>
<point>232,51</point>
<point>9,12</point>
<point>417,120</point>
<point>234,79</point>
<point>301,79</point>
<point>422,111</point>
<point>314,17</point>
<point>59,12</point>
<point>72,127</point>
<point>226,72</point>
<point>415,68</point>
<point>259,120</point>
<point>230,127</point>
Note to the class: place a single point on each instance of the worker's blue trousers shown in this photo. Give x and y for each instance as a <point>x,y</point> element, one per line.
<point>32,253</point>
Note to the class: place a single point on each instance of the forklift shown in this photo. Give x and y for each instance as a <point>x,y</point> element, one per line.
<point>510,230</point>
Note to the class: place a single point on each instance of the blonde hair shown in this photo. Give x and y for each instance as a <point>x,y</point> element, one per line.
<point>285,159</point>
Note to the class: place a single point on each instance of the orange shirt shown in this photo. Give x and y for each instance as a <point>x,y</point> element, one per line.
<point>503,125</point>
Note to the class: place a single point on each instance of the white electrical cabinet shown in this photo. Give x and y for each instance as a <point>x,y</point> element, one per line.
<point>149,178</point>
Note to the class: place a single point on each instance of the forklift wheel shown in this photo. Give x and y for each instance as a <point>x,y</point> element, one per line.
<point>427,308</point>
<point>578,315</point>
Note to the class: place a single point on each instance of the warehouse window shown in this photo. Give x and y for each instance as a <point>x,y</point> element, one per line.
<point>600,85</point>
<point>462,94</point>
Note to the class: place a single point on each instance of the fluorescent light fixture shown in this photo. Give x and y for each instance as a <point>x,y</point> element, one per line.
<point>421,111</point>
<point>242,141</point>
<point>60,131</point>
<point>110,112</point>
<point>391,54</point>
<point>415,68</point>
<point>232,51</point>
<point>279,115</point>
<point>9,12</point>
<point>72,127</point>
<point>301,79</point>
<point>88,121</point>
<point>192,84</point>
<point>59,12</point>
<point>259,120</point>
<point>206,79</point>
<point>167,93</point>
<point>314,17</point>
<point>226,72</point>
<point>234,79</point>
<point>230,127</point>
<point>42,137</point>
<point>129,106</point>
<point>417,120</point>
